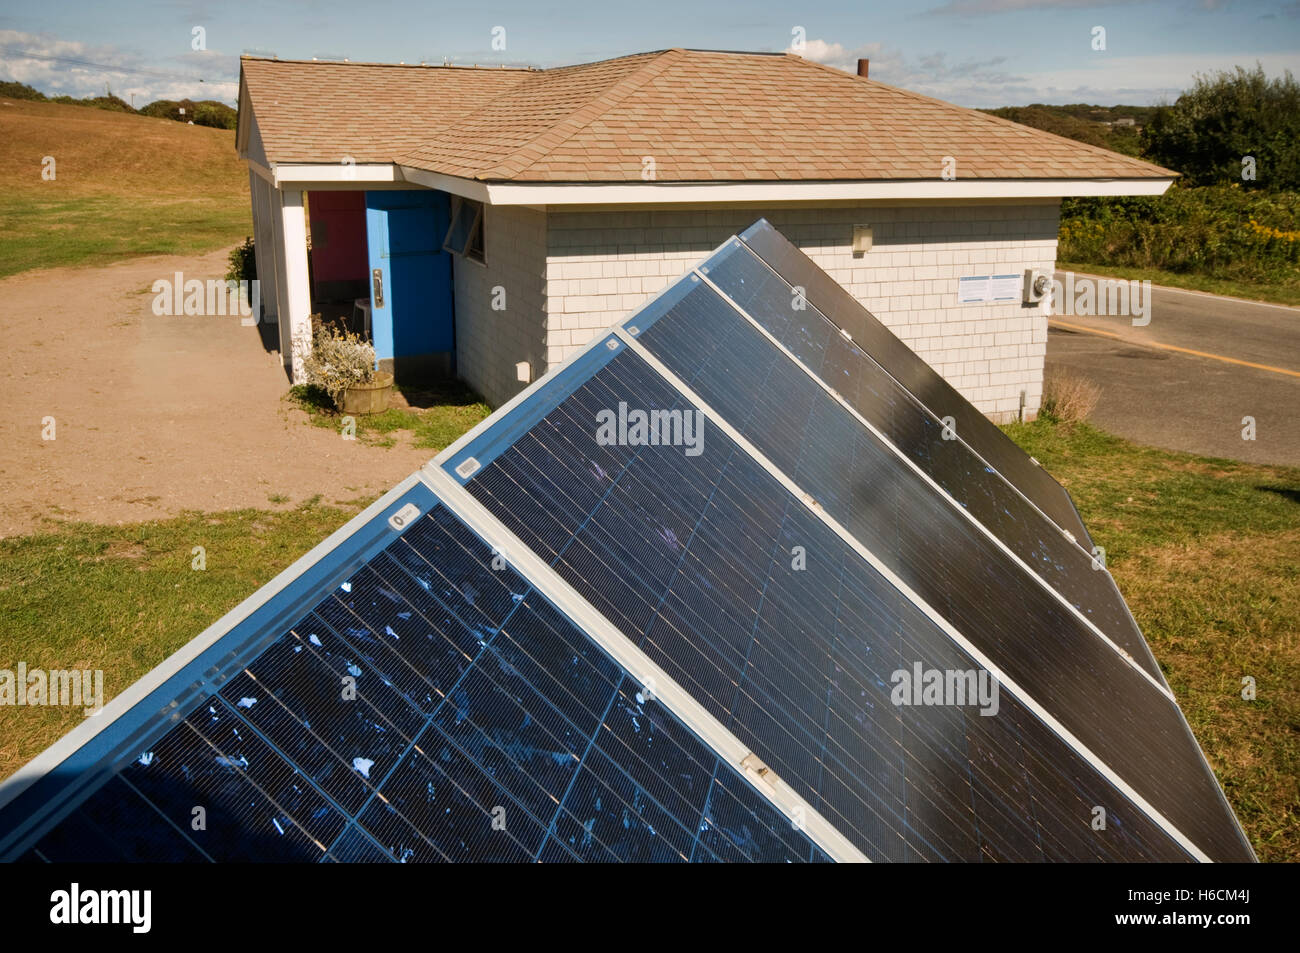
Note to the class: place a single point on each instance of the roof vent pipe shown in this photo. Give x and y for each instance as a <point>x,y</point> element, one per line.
<point>862,67</point>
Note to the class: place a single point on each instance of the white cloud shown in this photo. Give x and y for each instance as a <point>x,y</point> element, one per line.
<point>973,7</point>
<point>68,67</point>
<point>1110,80</point>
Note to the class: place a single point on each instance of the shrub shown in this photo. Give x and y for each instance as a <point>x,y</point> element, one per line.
<point>1224,117</point>
<point>14,90</point>
<point>1224,231</point>
<point>243,262</point>
<point>214,114</point>
<point>1067,397</point>
<point>169,109</point>
<point>338,360</point>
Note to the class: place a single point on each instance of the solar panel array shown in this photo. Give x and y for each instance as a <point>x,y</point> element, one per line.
<point>569,639</point>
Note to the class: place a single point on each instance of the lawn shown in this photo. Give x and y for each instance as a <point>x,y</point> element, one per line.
<point>1207,552</point>
<point>123,186</point>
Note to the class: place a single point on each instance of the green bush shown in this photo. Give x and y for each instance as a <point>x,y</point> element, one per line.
<point>1225,117</point>
<point>214,114</point>
<point>1221,231</point>
<point>243,262</point>
<point>13,90</point>
<point>110,102</point>
<point>169,109</point>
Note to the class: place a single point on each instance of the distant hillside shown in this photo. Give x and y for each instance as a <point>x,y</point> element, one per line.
<point>205,112</point>
<point>123,185</point>
<point>1105,126</point>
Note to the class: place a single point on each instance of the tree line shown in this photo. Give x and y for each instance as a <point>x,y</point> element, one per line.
<point>204,112</point>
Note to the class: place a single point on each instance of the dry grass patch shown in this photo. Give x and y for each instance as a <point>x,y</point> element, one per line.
<point>1068,397</point>
<point>1207,554</point>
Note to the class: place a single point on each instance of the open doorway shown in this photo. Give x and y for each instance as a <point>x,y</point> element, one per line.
<point>338,258</point>
<point>378,268</point>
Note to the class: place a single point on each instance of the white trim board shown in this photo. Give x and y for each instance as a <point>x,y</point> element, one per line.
<point>1100,766</point>
<point>674,192</point>
<point>306,174</point>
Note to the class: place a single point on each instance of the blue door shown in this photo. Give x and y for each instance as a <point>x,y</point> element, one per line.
<point>410,274</point>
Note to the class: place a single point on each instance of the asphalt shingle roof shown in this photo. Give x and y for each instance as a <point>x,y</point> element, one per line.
<point>702,116</point>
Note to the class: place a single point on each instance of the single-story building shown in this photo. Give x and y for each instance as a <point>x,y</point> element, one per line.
<point>493,220</point>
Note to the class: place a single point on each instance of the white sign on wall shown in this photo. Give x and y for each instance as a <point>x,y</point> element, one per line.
<point>978,289</point>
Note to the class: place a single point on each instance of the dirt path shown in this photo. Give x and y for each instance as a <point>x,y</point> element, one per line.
<point>154,415</point>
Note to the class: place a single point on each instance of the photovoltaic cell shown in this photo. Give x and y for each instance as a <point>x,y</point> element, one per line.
<point>905,366</point>
<point>431,706</point>
<point>690,557</point>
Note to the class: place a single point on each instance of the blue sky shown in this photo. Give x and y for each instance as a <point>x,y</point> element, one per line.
<point>972,52</point>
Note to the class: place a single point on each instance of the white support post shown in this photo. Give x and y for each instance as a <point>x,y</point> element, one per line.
<point>295,306</point>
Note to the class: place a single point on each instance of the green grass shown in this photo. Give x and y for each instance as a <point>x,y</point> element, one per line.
<point>1273,292</point>
<point>41,232</point>
<point>1207,554</point>
<point>443,411</point>
<point>123,598</point>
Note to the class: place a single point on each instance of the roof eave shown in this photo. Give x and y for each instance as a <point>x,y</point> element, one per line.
<point>609,193</point>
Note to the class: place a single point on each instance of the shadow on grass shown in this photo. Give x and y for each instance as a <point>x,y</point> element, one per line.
<point>1286,492</point>
<point>435,412</point>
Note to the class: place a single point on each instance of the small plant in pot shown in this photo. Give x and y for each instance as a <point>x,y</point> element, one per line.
<point>343,365</point>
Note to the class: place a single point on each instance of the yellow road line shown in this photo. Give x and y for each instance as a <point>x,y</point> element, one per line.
<point>1174,347</point>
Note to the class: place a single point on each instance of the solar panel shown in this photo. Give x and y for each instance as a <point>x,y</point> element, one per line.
<point>717,589</point>
<point>904,365</point>
<point>767,396</point>
<point>689,557</point>
<point>1126,718</point>
<point>402,699</point>
<point>937,451</point>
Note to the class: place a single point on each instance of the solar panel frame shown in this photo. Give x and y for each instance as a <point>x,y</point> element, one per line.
<point>443,480</point>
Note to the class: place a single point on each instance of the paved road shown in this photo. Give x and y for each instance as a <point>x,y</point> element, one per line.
<point>1154,392</point>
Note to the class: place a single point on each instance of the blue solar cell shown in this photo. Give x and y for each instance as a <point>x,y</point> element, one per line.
<point>690,557</point>
<point>423,703</point>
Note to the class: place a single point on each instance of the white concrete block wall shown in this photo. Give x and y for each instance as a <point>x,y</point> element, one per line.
<point>489,343</point>
<point>602,264</point>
